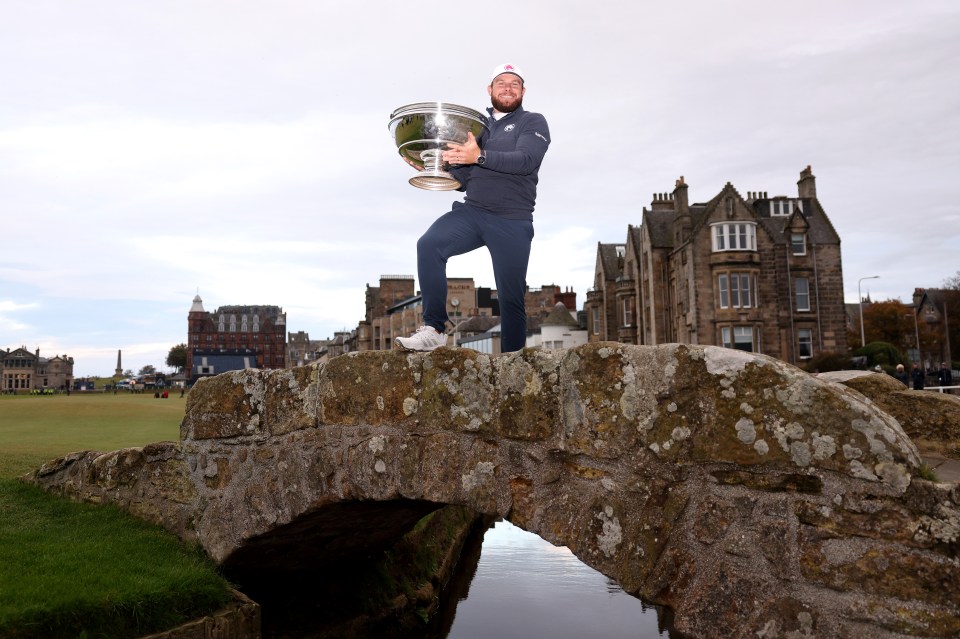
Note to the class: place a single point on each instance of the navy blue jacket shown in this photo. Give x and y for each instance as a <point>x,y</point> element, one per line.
<point>506,185</point>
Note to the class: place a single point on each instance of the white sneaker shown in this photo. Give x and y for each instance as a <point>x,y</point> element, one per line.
<point>425,339</point>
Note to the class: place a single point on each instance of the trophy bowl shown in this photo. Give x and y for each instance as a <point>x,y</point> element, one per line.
<point>423,131</point>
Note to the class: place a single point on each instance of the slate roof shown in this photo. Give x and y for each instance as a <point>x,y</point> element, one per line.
<point>560,316</point>
<point>272,312</point>
<point>660,228</point>
<point>609,259</point>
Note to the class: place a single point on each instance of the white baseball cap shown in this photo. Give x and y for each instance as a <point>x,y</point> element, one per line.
<point>507,68</point>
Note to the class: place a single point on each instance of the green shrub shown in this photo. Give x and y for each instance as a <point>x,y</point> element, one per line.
<point>826,362</point>
<point>882,353</point>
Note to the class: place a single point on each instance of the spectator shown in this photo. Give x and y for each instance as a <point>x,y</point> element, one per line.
<point>917,376</point>
<point>902,376</point>
<point>945,375</point>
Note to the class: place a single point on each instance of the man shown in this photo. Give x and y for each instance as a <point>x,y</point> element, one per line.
<point>945,375</point>
<point>917,375</point>
<point>499,173</point>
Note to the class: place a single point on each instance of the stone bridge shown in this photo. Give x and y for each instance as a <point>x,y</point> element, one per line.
<point>749,497</point>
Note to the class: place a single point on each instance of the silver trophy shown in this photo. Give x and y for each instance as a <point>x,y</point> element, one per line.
<point>423,131</point>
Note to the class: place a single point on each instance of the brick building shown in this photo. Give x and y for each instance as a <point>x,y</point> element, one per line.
<point>22,371</point>
<point>756,273</point>
<point>233,337</point>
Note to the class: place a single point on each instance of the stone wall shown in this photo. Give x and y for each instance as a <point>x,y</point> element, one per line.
<point>238,620</point>
<point>750,497</point>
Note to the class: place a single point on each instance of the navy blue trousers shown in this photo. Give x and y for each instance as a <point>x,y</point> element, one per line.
<point>465,229</point>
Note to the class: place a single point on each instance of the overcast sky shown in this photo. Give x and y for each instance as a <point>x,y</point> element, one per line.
<point>153,150</point>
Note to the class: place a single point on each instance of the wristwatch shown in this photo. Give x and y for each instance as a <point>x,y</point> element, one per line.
<point>482,159</point>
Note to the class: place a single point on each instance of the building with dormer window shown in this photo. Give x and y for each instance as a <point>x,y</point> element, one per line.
<point>756,273</point>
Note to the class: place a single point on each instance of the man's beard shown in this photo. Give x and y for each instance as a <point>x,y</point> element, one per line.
<point>503,108</point>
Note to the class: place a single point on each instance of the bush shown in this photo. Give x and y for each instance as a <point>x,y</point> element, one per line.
<point>826,362</point>
<point>882,353</point>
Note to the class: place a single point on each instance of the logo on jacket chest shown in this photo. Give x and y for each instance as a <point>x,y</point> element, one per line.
<point>509,127</point>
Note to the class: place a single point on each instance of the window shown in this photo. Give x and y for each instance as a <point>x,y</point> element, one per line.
<point>802,289</point>
<point>738,337</point>
<point>805,338</point>
<point>596,321</point>
<point>737,290</point>
<point>740,236</point>
<point>798,243</point>
<point>785,207</point>
<point>627,305</point>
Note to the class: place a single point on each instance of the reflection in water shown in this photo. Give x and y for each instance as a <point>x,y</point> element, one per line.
<point>507,583</point>
<point>525,587</point>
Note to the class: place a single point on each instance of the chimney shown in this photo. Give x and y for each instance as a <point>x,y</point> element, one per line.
<point>807,185</point>
<point>681,205</point>
<point>662,202</point>
<point>683,223</point>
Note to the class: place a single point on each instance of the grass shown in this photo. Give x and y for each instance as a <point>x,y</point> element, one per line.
<point>70,569</point>
<point>35,429</point>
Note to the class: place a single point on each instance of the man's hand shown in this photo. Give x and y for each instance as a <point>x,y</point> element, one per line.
<point>466,153</point>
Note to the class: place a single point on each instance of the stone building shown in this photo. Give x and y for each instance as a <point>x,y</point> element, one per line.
<point>234,337</point>
<point>301,350</point>
<point>756,273</point>
<point>933,310</point>
<point>395,309</point>
<point>22,371</point>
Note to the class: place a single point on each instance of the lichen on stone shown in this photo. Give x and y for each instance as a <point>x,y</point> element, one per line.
<point>483,472</point>
<point>851,452</point>
<point>726,361</point>
<point>611,535</point>
<point>746,430</point>
<point>824,447</point>
<point>800,453</point>
<point>858,470</point>
<point>377,444</point>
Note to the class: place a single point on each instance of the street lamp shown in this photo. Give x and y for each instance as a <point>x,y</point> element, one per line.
<point>863,341</point>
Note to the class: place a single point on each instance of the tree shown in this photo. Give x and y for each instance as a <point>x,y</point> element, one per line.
<point>177,358</point>
<point>147,370</point>
<point>893,322</point>
<point>952,283</point>
<point>890,321</point>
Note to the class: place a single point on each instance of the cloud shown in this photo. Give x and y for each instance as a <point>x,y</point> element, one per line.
<point>9,325</point>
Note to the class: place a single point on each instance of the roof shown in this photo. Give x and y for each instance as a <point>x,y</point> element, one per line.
<point>609,256</point>
<point>659,225</point>
<point>477,324</point>
<point>261,310</point>
<point>560,316</point>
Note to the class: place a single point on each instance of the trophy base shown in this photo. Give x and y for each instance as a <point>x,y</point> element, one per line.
<point>435,181</point>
